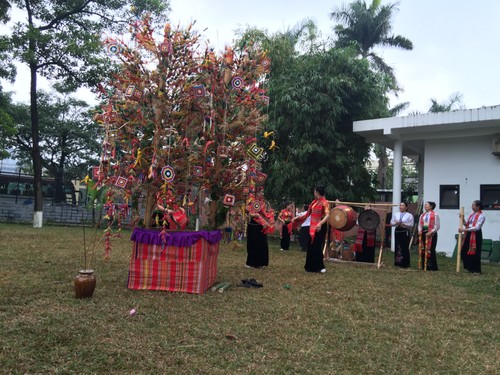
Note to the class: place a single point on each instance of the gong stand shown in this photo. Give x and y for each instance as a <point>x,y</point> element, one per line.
<point>381,228</point>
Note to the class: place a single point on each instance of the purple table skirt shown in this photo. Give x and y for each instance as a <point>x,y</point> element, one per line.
<point>180,239</point>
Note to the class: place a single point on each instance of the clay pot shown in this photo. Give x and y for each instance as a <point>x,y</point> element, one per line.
<point>85,283</point>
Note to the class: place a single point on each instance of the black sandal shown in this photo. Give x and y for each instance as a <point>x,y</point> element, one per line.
<point>255,284</point>
<point>245,283</point>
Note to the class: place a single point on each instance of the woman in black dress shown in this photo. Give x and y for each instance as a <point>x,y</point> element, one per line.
<point>261,222</point>
<point>403,222</point>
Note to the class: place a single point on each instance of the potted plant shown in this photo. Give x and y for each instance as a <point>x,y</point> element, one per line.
<point>85,281</point>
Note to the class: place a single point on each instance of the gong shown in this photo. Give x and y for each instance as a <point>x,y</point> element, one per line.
<point>368,220</point>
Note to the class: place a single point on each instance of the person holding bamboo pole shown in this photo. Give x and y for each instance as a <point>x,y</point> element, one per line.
<point>472,243</point>
<point>318,211</point>
<point>403,222</point>
<point>428,226</point>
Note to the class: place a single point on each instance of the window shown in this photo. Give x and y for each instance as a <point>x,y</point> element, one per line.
<point>490,196</point>
<point>449,196</point>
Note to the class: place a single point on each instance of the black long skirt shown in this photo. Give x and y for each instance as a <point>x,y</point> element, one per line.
<point>304,237</point>
<point>285,237</point>
<point>368,253</point>
<point>472,263</point>
<point>314,257</point>
<point>257,247</point>
<point>402,249</point>
<point>432,261</point>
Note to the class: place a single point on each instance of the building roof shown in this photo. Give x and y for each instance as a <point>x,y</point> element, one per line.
<point>414,130</point>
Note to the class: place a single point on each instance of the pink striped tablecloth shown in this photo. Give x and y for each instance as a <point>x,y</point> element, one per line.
<point>175,261</point>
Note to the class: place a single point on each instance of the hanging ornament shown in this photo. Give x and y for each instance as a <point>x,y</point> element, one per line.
<point>121,182</point>
<point>256,206</point>
<point>223,151</point>
<point>237,83</point>
<point>114,48</point>
<point>228,200</point>
<point>138,159</point>
<point>95,173</point>
<point>255,151</point>
<point>266,63</point>
<point>110,117</point>
<point>134,93</point>
<point>261,177</point>
<point>197,171</point>
<point>167,173</point>
<point>198,91</point>
<point>268,134</point>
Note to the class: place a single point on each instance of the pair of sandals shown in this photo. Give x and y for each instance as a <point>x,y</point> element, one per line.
<point>251,283</point>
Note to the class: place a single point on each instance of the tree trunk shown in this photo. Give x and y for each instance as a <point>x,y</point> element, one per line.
<point>211,214</point>
<point>150,205</point>
<point>35,152</point>
<point>383,162</point>
<point>60,195</point>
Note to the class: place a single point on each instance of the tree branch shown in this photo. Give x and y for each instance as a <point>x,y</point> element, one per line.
<point>62,16</point>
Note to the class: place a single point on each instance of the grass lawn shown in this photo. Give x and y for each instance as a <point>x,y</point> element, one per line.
<point>353,319</point>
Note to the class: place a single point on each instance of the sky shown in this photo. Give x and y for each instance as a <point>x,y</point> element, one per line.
<point>456,43</point>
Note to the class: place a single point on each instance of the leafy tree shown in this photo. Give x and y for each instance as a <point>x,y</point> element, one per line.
<point>454,102</point>
<point>7,129</point>
<point>313,105</point>
<point>381,152</point>
<point>68,137</point>
<point>366,27</point>
<point>60,40</point>
<point>409,178</point>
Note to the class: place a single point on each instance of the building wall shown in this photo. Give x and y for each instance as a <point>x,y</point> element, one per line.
<point>469,164</point>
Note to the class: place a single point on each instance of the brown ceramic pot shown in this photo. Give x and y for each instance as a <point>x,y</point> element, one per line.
<point>85,283</point>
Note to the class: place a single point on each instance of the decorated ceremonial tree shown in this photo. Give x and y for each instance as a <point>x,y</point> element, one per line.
<point>180,123</point>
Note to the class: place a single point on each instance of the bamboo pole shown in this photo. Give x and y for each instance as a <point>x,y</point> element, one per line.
<point>351,262</point>
<point>325,245</point>
<point>382,239</point>
<point>459,243</point>
<point>415,224</point>
<point>216,287</point>
<point>361,204</point>
<point>224,287</point>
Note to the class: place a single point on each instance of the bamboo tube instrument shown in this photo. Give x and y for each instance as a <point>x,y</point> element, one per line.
<point>459,243</point>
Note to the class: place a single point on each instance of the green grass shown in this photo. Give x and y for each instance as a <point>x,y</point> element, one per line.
<point>352,320</point>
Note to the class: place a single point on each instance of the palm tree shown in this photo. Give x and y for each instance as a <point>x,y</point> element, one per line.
<point>453,103</point>
<point>366,27</point>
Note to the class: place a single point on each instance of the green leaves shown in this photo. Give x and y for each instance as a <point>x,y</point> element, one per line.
<point>365,27</point>
<point>313,104</point>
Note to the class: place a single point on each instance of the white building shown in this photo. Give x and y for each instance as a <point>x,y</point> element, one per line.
<point>459,154</point>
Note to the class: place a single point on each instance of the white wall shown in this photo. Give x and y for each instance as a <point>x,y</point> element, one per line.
<point>468,163</point>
